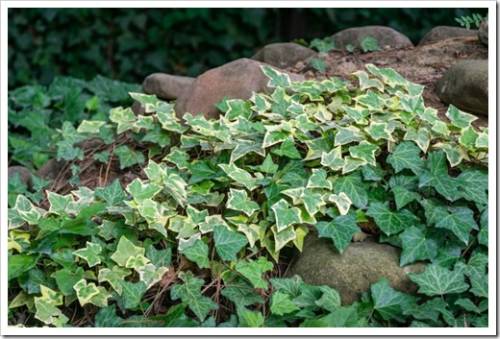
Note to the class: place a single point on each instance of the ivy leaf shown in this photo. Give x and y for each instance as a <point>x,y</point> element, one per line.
<point>437,176</point>
<point>342,202</point>
<point>458,118</point>
<point>241,293</point>
<point>90,127</point>
<point>124,118</point>
<point>333,159</point>
<point>90,253</point>
<point>190,294</point>
<point>238,200</point>
<point>114,276</point>
<point>406,155</point>
<point>90,293</point>
<point>19,264</point>
<point>285,215</point>
<point>340,230</point>
<point>318,179</point>
<point>67,278</point>
<point>176,187</point>
<point>437,280</point>
<point>238,108</point>
<point>107,317</point>
<point>276,78</point>
<point>126,250</point>
<point>282,304</point>
<point>112,194</point>
<point>352,185</point>
<point>388,302</point>
<point>403,196</point>
<point>253,270</point>
<point>239,175</point>
<point>132,294</point>
<point>196,250</point>
<point>365,82</point>
<point>364,151</point>
<point>416,246</point>
<point>346,135</point>
<point>379,130</point>
<point>329,300</point>
<point>460,221</point>
<point>228,242</point>
<point>46,310</point>
<point>388,221</point>
<point>249,318</point>
<point>27,211</point>
<point>287,149</point>
<point>59,204</point>
<point>268,166</point>
<point>128,157</point>
<point>473,185</point>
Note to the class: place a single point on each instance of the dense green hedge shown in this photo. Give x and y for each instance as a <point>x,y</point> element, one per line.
<point>127,44</point>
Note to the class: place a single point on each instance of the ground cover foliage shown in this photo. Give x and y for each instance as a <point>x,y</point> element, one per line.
<point>202,236</point>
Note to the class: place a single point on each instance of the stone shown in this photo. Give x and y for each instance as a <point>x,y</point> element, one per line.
<point>283,54</point>
<point>237,79</point>
<point>465,85</point>
<point>352,272</point>
<point>439,33</point>
<point>387,38</point>
<point>482,33</point>
<point>166,86</point>
<point>51,169</point>
<point>23,173</point>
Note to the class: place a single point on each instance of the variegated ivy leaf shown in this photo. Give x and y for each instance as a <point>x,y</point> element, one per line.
<point>136,262</point>
<point>238,108</point>
<point>283,237</point>
<point>178,157</point>
<point>240,176</point>
<point>27,211</point>
<point>149,274</point>
<point>429,115</point>
<point>155,172</point>
<point>210,222</point>
<point>251,231</point>
<point>365,82</point>
<point>351,164</point>
<point>346,135</point>
<point>176,187</point>
<point>316,147</point>
<point>168,120</point>
<point>148,102</point>
<point>207,128</point>
<point>371,100</point>
<point>468,137</point>
<point>342,202</point>
<point>288,149</point>
<point>340,230</point>
<point>228,242</point>
<point>128,157</point>
<point>285,215</point>
<point>388,76</point>
<point>406,155</point>
<point>126,250</point>
<point>90,127</point>
<point>46,310</point>
<point>420,136</point>
<point>379,130</point>
<point>60,204</point>
<point>273,137</point>
<point>244,147</point>
<point>155,215</point>
<point>260,102</point>
<point>482,139</point>
<point>183,226</point>
<point>276,78</point>
<point>313,201</point>
<point>358,114</point>
<point>318,179</point>
<point>114,276</point>
<point>364,151</point>
<point>333,159</point>
<point>90,293</point>
<point>238,200</point>
<point>454,153</point>
<point>90,253</point>
<point>388,221</point>
<point>140,190</point>
<point>458,118</point>
<point>440,127</point>
<point>253,270</point>
<point>124,118</point>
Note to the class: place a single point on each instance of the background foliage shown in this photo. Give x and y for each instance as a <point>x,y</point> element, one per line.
<point>127,44</point>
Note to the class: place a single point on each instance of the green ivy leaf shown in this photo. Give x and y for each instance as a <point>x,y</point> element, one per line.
<point>388,302</point>
<point>340,230</point>
<point>228,242</point>
<point>128,157</point>
<point>196,250</point>
<point>460,221</point>
<point>282,304</point>
<point>253,270</point>
<point>437,280</point>
<point>352,185</point>
<point>406,156</point>
<point>416,246</point>
<point>388,221</point>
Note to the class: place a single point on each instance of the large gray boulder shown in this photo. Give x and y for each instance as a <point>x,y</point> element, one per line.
<point>166,86</point>
<point>439,33</point>
<point>235,80</point>
<point>387,37</point>
<point>22,172</point>
<point>353,271</point>
<point>283,54</point>
<point>465,85</point>
<point>482,33</point>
